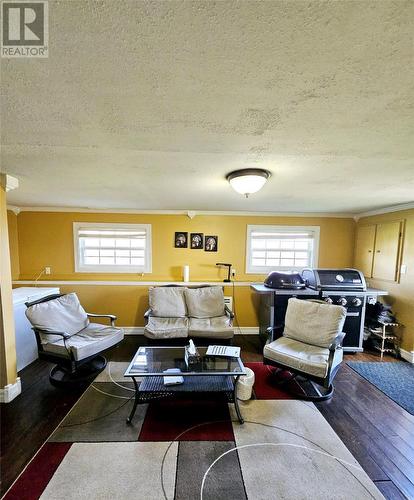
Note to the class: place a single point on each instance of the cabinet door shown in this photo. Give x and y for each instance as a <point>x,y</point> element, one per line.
<point>387,245</point>
<point>364,249</point>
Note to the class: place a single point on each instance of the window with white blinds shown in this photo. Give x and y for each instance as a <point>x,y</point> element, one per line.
<point>273,248</point>
<point>112,248</point>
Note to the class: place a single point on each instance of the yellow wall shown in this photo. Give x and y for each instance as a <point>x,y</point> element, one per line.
<point>401,294</point>
<point>46,239</point>
<point>14,244</point>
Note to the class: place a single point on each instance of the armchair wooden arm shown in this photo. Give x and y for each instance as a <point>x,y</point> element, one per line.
<point>112,317</point>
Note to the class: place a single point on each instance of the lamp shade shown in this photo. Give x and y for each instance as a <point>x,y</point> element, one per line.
<point>248,180</point>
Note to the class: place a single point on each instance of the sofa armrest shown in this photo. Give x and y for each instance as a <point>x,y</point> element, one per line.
<point>228,313</point>
<point>112,317</point>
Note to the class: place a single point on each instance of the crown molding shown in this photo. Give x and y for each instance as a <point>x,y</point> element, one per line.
<point>385,210</point>
<point>14,209</point>
<point>193,213</point>
<point>189,213</point>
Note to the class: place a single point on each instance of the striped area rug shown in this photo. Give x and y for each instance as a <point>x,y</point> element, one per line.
<point>186,450</point>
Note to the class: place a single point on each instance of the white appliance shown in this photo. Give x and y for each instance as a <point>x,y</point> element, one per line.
<point>26,347</point>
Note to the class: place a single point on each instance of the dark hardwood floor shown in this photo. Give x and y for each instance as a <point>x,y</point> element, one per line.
<point>378,432</point>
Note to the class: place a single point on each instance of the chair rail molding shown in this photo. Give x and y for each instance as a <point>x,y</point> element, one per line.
<point>10,391</point>
<point>130,283</point>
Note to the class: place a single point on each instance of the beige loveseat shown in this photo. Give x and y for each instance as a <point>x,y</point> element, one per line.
<point>179,311</point>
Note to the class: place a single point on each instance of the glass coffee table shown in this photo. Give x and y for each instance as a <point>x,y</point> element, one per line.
<point>213,376</point>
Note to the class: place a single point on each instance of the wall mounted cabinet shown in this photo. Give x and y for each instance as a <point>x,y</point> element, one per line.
<point>364,249</point>
<point>378,250</point>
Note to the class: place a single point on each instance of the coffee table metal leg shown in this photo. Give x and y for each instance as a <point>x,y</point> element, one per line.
<point>136,401</point>
<point>236,401</point>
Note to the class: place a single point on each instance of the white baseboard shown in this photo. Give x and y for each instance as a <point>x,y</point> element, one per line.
<point>133,330</point>
<point>244,330</point>
<point>407,355</point>
<point>10,391</point>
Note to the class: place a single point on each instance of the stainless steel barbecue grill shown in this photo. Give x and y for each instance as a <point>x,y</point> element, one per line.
<point>347,288</point>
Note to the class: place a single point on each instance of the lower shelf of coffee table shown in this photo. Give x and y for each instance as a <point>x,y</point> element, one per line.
<point>197,383</point>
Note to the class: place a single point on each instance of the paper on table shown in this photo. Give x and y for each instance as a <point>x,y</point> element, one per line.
<point>222,350</point>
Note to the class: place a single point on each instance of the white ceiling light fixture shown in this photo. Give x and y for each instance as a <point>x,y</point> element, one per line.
<point>248,180</point>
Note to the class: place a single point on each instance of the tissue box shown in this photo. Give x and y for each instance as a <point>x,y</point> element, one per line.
<point>191,360</point>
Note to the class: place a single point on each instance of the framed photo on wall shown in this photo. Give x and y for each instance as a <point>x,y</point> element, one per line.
<point>196,241</point>
<point>211,243</point>
<point>181,240</point>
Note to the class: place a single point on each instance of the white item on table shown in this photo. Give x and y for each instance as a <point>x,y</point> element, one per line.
<point>191,348</point>
<point>222,350</point>
<point>174,379</point>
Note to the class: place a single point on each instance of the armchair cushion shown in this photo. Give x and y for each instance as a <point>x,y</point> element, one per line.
<point>167,302</point>
<point>92,340</point>
<point>306,358</point>
<point>164,328</point>
<point>207,302</point>
<point>63,314</point>
<point>313,323</point>
<point>218,327</point>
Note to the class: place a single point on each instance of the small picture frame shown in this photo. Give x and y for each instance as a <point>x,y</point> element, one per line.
<point>211,243</point>
<point>196,241</point>
<point>181,239</point>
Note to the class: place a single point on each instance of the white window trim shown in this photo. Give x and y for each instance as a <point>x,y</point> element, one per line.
<point>87,268</point>
<point>287,229</point>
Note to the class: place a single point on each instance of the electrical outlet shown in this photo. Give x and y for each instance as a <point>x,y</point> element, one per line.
<point>233,272</point>
<point>403,269</point>
<point>48,270</point>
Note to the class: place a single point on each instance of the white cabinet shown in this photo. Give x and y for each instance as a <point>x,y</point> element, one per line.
<point>26,347</point>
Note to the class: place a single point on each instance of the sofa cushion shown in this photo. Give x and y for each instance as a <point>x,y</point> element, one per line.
<point>167,302</point>
<point>164,328</point>
<point>63,314</point>
<point>206,302</point>
<point>309,359</point>
<point>313,322</point>
<point>92,340</point>
<point>218,327</point>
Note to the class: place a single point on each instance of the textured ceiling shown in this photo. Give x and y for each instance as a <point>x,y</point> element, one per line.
<point>147,105</point>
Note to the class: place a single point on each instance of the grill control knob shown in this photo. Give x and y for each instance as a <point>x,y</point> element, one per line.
<point>356,302</point>
<point>328,300</point>
<point>342,301</point>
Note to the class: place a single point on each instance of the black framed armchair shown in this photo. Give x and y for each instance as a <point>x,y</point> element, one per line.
<point>65,336</point>
<point>310,345</point>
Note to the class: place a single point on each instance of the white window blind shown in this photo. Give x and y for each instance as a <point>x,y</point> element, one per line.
<point>115,248</point>
<point>271,248</point>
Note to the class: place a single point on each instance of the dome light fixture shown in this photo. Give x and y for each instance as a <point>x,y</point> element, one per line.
<point>248,180</point>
